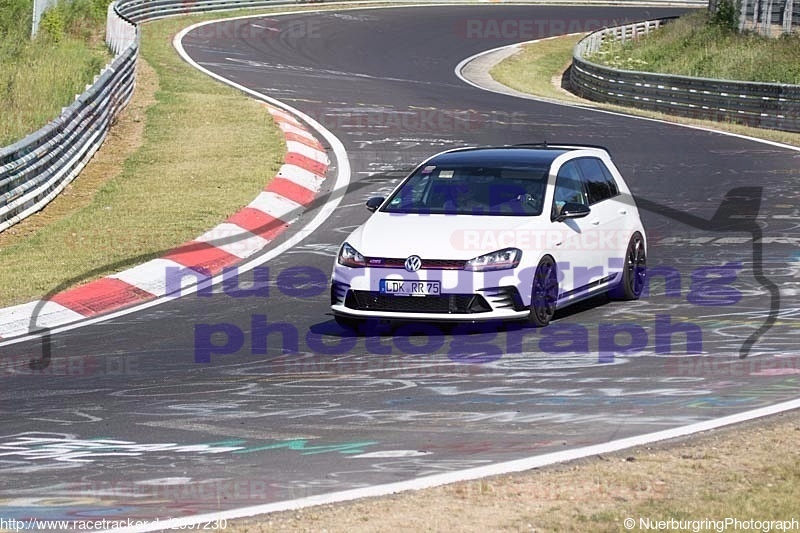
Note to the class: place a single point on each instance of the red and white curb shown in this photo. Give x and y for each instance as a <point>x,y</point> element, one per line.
<point>243,234</point>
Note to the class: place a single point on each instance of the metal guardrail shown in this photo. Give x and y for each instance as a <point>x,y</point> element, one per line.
<point>763,105</point>
<point>769,17</point>
<point>145,10</point>
<point>34,170</point>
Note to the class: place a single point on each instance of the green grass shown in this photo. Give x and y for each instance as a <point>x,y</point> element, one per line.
<point>534,67</point>
<point>207,151</point>
<point>692,47</point>
<point>41,76</point>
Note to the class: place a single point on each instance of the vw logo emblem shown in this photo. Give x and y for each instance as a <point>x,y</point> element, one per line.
<point>413,263</point>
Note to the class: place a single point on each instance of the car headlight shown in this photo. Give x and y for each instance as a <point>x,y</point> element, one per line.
<point>349,256</point>
<point>499,260</point>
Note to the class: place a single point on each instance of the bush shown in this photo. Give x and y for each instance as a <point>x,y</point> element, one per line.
<point>52,25</point>
<point>725,15</point>
<point>76,18</point>
<point>40,76</point>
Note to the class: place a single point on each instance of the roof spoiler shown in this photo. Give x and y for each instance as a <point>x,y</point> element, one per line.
<point>546,145</point>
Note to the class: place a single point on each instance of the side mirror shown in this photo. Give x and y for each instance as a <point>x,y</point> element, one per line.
<point>572,210</point>
<point>374,203</point>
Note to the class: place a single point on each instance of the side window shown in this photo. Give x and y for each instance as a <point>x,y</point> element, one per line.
<point>569,188</point>
<point>610,179</point>
<point>600,185</point>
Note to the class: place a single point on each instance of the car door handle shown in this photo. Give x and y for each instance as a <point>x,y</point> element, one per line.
<point>623,211</point>
<point>595,222</point>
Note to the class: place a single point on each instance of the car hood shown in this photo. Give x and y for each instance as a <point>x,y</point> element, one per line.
<point>436,236</point>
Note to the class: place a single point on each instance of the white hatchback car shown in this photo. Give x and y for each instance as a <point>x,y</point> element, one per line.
<point>478,234</point>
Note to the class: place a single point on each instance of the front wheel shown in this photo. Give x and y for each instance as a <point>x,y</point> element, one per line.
<point>544,293</point>
<point>634,271</point>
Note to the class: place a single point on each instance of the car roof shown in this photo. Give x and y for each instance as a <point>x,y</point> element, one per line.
<point>504,156</point>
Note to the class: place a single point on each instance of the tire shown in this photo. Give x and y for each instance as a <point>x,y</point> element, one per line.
<point>634,271</point>
<point>350,323</point>
<point>544,293</point>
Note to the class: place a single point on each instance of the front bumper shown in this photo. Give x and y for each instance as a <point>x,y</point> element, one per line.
<point>360,297</point>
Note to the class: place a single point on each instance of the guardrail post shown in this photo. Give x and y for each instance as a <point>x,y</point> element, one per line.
<point>788,10</point>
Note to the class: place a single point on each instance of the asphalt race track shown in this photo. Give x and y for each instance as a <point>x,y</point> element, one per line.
<point>125,422</point>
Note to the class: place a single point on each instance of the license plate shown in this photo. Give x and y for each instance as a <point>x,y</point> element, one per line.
<point>403,287</point>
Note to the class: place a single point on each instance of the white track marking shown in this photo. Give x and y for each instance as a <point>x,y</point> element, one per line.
<point>588,106</point>
<point>312,153</point>
<point>301,177</point>
<point>508,467</point>
<point>276,206</point>
<point>243,243</point>
<point>152,276</point>
<point>16,319</point>
<point>290,128</point>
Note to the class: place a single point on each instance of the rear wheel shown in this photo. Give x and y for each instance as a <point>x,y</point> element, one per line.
<point>544,293</point>
<point>634,271</point>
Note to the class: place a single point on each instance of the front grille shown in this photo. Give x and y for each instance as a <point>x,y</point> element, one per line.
<point>427,264</point>
<point>445,304</point>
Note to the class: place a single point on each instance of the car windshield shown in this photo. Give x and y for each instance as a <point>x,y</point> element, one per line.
<point>453,190</point>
